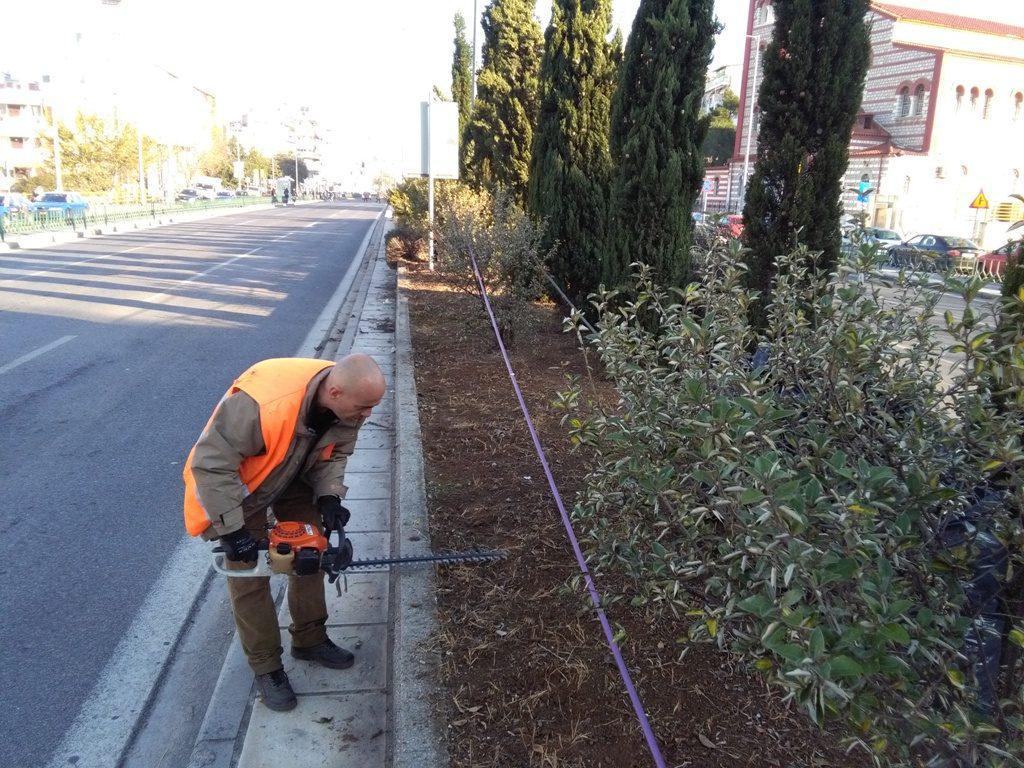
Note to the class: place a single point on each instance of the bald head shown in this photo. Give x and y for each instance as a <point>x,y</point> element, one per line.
<point>353,387</point>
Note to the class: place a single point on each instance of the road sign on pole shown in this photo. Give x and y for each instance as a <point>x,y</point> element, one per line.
<point>980,201</point>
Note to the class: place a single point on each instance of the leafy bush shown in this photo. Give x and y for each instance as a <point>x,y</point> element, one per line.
<point>406,241</point>
<point>409,202</point>
<point>809,506</point>
<point>506,244</point>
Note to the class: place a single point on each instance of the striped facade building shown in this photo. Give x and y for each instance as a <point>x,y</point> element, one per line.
<point>942,119</point>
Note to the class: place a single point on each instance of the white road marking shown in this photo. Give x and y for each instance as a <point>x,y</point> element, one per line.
<point>83,261</point>
<point>214,268</point>
<point>311,224</point>
<point>35,353</point>
<point>243,223</point>
<point>103,727</point>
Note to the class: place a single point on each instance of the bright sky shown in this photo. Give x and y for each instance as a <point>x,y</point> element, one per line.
<point>363,65</point>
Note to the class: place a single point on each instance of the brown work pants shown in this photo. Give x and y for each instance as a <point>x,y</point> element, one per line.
<point>253,605</point>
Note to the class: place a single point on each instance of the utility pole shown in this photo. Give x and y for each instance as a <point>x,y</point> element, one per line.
<point>430,184</point>
<point>472,68</point>
<point>142,177</point>
<point>756,40</point>
<point>58,170</point>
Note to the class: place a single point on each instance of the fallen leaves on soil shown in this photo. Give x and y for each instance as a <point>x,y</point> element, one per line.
<point>522,656</point>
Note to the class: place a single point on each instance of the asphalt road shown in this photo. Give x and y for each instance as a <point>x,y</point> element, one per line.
<point>113,351</point>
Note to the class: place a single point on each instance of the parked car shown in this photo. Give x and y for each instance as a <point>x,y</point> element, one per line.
<point>886,238</point>
<point>225,195</point>
<point>69,202</point>
<point>732,225</point>
<point>187,196</point>
<point>993,263</point>
<point>936,253</point>
<point>14,203</point>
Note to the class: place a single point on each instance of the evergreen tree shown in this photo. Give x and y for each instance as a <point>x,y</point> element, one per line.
<point>500,133</point>
<point>571,162</point>
<point>462,83</point>
<point>657,135</point>
<point>814,71</point>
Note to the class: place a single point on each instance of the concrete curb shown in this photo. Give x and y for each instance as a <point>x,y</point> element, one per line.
<point>325,322</point>
<point>227,714</point>
<point>418,739</point>
<point>46,239</point>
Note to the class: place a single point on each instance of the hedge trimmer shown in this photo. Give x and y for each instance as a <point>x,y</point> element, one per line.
<point>300,549</point>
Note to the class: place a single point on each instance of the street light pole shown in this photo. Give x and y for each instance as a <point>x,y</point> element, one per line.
<point>750,115</point>
<point>142,177</point>
<point>58,169</point>
<point>430,183</point>
<point>472,68</point>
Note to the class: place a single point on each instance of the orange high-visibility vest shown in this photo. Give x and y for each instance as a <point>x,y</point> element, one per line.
<point>278,386</point>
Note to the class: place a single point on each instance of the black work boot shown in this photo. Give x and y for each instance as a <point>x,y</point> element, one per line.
<point>326,654</point>
<point>275,691</point>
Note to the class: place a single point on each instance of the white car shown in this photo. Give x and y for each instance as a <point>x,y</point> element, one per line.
<point>886,238</point>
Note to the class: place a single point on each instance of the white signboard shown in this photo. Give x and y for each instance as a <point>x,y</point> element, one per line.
<point>438,141</point>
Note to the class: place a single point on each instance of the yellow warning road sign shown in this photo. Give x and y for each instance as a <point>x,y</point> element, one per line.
<point>980,201</point>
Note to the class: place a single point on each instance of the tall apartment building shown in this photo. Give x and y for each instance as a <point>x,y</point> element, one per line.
<point>22,122</point>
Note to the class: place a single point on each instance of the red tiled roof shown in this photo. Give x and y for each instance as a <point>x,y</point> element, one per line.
<point>948,20</point>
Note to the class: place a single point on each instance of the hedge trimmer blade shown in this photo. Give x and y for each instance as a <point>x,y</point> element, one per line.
<point>441,558</point>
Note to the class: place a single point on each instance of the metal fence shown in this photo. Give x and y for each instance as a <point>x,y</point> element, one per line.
<point>99,215</point>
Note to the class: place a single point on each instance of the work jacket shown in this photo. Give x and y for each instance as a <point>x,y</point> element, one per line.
<point>257,443</point>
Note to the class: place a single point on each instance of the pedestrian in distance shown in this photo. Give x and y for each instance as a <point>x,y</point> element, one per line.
<point>278,441</point>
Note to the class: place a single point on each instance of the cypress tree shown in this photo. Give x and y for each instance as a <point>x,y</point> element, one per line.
<point>571,161</point>
<point>656,138</point>
<point>500,132</point>
<point>814,71</point>
<point>462,83</point>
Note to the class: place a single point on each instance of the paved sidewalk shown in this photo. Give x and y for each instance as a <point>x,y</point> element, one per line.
<point>347,719</point>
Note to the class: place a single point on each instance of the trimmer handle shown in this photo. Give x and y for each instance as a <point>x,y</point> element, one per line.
<point>336,559</point>
<point>258,570</point>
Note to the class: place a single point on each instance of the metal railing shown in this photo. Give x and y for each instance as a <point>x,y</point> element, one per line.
<point>32,222</point>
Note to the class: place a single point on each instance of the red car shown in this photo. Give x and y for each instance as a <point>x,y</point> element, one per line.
<point>732,225</point>
<point>994,262</point>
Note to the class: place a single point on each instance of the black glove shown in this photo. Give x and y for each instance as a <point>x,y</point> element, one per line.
<point>334,515</point>
<point>240,546</point>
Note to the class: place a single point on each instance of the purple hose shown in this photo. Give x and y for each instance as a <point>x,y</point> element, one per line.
<point>634,697</point>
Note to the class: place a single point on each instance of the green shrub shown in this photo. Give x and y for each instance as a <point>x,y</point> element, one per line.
<point>506,244</point>
<point>790,505</point>
<point>406,241</point>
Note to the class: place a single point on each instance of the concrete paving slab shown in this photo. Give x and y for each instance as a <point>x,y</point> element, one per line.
<point>370,460</point>
<point>322,732</point>
<point>370,438</point>
<point>365,601</point>
<point>376,544</point>
<point>383,420</point>
<point>369,673</point>
<point>368,515</point>
<point>368,485</point>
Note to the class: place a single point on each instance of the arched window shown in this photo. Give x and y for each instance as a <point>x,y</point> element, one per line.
<point>959,97</point>
<point>903,102</point>
<point>986,110</point>
<point>974,98</point>
<point>1018,105</point>
<point>919,100</point>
